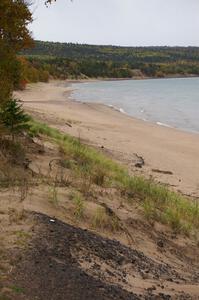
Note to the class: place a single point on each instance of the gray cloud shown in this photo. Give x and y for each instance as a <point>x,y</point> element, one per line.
<point>118,22</point>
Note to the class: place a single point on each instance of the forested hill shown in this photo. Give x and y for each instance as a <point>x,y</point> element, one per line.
<point>75,61</point>
<point>116,53</point>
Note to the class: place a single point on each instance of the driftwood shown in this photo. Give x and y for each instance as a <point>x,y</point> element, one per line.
<point>26,163</point>
<point>140,163</point>
<point>68,124</point>
<point>58,160</point>
<point>162,171</point>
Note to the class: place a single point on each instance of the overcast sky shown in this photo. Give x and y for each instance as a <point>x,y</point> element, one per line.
<point>118,22</point>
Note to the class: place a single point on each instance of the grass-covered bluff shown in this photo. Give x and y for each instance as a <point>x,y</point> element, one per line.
<point>157,201</point>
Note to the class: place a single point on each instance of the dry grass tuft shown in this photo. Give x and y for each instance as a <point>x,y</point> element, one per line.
<point>102,220</point>
<point>79,206</point>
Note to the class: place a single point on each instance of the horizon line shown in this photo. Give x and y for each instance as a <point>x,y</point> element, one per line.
<point>115,45</point>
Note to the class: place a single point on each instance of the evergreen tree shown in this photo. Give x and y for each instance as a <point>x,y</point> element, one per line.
<point>13,117</point>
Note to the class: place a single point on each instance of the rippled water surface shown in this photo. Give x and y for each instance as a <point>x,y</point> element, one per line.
<point>169,102</point>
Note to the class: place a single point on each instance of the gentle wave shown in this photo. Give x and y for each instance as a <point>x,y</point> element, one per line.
<point>117,108</point>
<point>163,124</point>
<point>171,103</point>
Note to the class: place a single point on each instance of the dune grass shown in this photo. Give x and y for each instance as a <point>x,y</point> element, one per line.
<point>157,201</point>
<point>81,157</point>
<point>101,220</point>
<point>79,208</point>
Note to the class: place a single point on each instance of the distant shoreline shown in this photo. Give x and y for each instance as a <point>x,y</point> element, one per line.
<point>177,76</point>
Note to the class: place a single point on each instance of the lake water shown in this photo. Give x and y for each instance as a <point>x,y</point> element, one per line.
<point>167,102</point>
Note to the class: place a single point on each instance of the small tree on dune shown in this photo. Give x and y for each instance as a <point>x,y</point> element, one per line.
<point>13,117</point>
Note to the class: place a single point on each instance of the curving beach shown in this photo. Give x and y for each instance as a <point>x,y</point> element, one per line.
<point>170,155</point>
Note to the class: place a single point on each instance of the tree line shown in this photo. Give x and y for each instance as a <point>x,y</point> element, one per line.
<point>115,53</point>
<point>76,61</point>
<point>41,68</point>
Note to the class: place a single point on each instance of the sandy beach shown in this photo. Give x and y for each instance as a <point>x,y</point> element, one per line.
<point>170,155</point>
